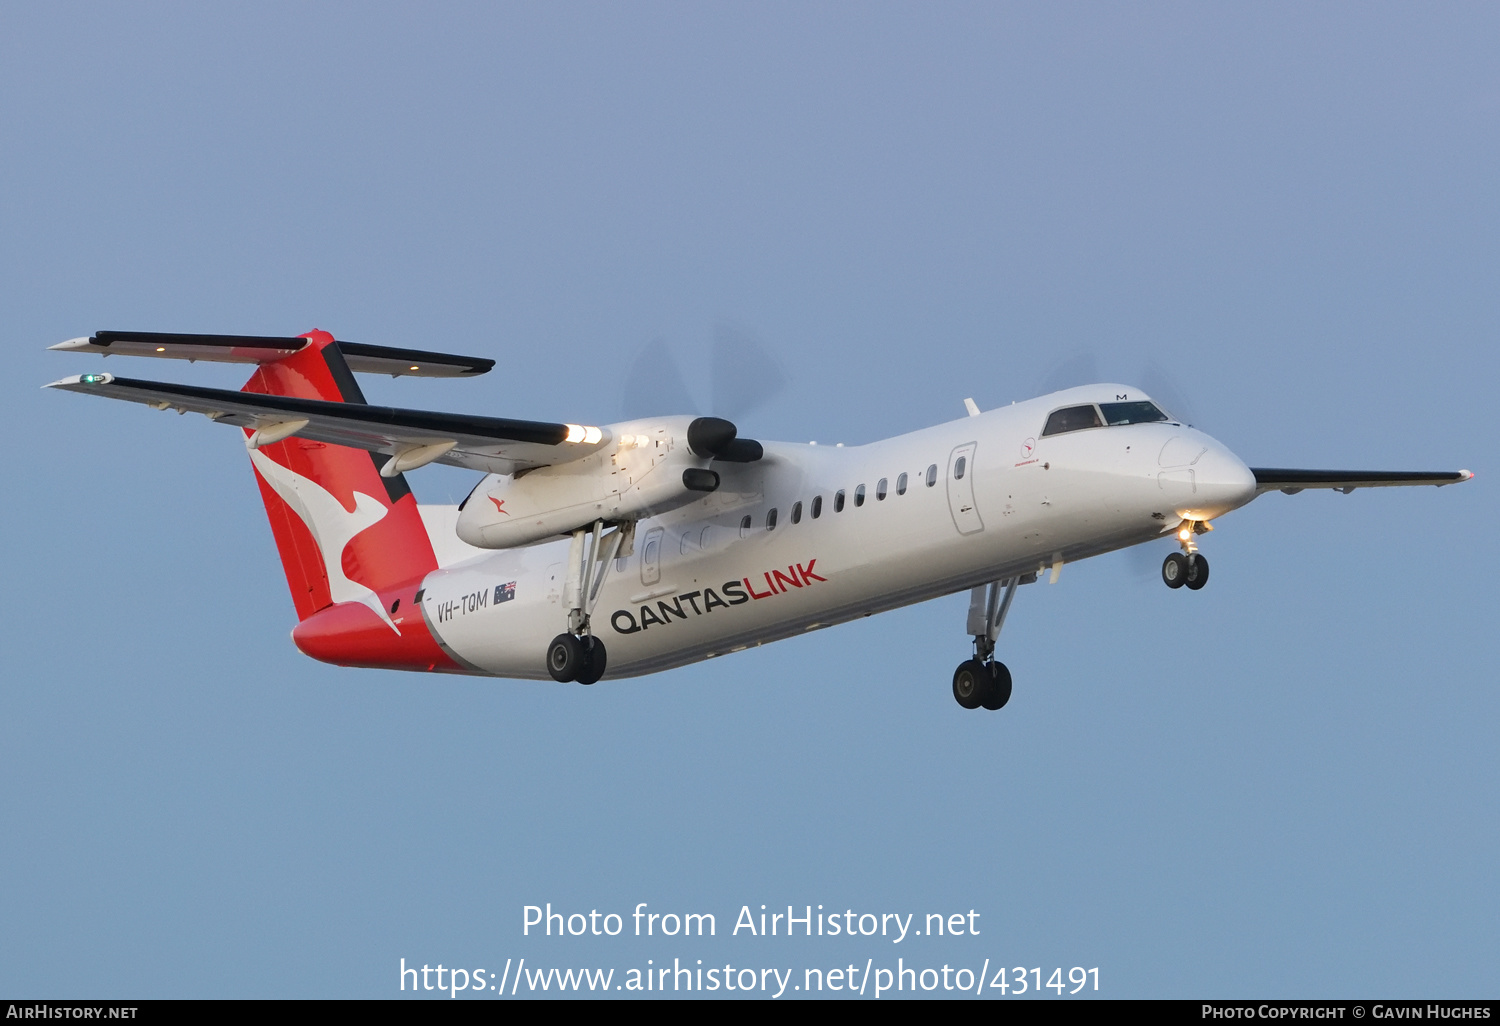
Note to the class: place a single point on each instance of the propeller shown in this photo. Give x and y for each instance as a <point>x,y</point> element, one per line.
<point>1082,368</point>
<point>744,376</point>
<point>1161,386</point>
<point>1071,371</point>
<point>654,386</point>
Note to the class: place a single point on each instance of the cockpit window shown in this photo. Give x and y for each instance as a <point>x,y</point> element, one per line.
<point>1073,418</point>
<point>1132,413</point>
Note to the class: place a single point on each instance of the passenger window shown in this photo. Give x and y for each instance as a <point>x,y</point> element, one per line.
<point>745,526</point>
<point>817,509</point>
<point>859,495</point>
<point>959,466</point>
<point>771,519</point>
<point>932,475</point>
<point>703,540</point>
<point>838,501</point>
<point>901,484</point>
<point>1072,418</point>
<point>796,512</point>
<point>880,490</point>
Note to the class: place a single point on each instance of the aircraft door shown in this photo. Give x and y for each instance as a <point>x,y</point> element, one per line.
<point>961,489</point>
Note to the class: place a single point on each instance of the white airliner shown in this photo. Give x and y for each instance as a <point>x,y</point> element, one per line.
<point>669,540</point>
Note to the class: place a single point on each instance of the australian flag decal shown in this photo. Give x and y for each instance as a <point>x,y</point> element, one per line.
<point>505,592</point>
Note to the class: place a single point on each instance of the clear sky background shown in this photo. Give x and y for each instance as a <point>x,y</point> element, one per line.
<point>1283,785</point>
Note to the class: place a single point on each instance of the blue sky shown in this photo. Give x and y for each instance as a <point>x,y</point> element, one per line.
<point>1282,785</point>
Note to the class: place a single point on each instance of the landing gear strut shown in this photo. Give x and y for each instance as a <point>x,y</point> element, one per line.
<point>983,681</point>
<point>1189,567</point>
<point>576,654</point>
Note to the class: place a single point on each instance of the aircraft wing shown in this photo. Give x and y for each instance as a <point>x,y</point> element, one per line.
<point>1268,479</point>
<point>359,356</point>
<point>412,437</point>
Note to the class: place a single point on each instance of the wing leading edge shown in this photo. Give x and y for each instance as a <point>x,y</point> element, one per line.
<point>414,437</point>
<point>1269,479</point>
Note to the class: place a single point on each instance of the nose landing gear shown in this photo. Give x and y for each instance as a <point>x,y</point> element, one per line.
<point>1189,566</point>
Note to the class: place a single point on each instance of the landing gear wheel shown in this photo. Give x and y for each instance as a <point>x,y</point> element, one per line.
<point>592,667</point>
<point>998,693</point>
<point>1197,571</point>
<point>565,658</point>
<point>971,683</point>
<point>1174,570</point>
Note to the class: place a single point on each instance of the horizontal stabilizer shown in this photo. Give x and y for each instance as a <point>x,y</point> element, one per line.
<point>415,437</point>
<point>267,349</point>
<point>1269,479</point>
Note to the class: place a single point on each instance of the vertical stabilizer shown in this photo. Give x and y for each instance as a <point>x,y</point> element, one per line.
<point>345,533</point>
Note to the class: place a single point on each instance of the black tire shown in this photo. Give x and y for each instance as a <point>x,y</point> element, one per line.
<point>593,661</point>
<point>1197,571</point>
<point>564,658</point>
<point>1174,570</point>
<point>998,693</point>
<point>971,683</point>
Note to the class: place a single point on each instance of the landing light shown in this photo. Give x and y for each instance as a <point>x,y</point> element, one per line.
<point>414,367</point>
<point>1185,533</point>
<point>161,349</point>
<point>587,435</point>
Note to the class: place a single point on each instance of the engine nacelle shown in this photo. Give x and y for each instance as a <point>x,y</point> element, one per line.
<point>650,468</point>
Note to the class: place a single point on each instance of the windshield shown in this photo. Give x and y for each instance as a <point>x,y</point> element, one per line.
<point>1116,414</point>
<point>1072,418</point>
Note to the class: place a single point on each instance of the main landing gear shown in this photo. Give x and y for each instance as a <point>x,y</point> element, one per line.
<point>984,684</point>
<point>1189,566</point>
<point>571,657</point>
<point>576,654</point>
<point>983,681</point>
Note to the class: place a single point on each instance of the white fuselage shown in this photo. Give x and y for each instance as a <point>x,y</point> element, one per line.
<point>986,498</point>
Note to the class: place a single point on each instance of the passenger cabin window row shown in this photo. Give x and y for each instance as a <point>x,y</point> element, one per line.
<point>815,508</point>
<point>1079,418</point>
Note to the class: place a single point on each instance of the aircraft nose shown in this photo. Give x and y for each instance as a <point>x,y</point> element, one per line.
<point>1221,482</point>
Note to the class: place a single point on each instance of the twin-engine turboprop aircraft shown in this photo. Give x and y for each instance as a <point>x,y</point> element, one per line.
<point>649,544</point>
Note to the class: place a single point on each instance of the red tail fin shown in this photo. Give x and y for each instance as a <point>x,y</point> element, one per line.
<point>348,537</point>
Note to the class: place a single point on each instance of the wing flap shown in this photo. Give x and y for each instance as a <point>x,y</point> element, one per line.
<point>491,444</point>
<point>1269,479</point>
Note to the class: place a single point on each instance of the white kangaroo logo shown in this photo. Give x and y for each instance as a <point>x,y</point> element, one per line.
<point>331,526</point>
